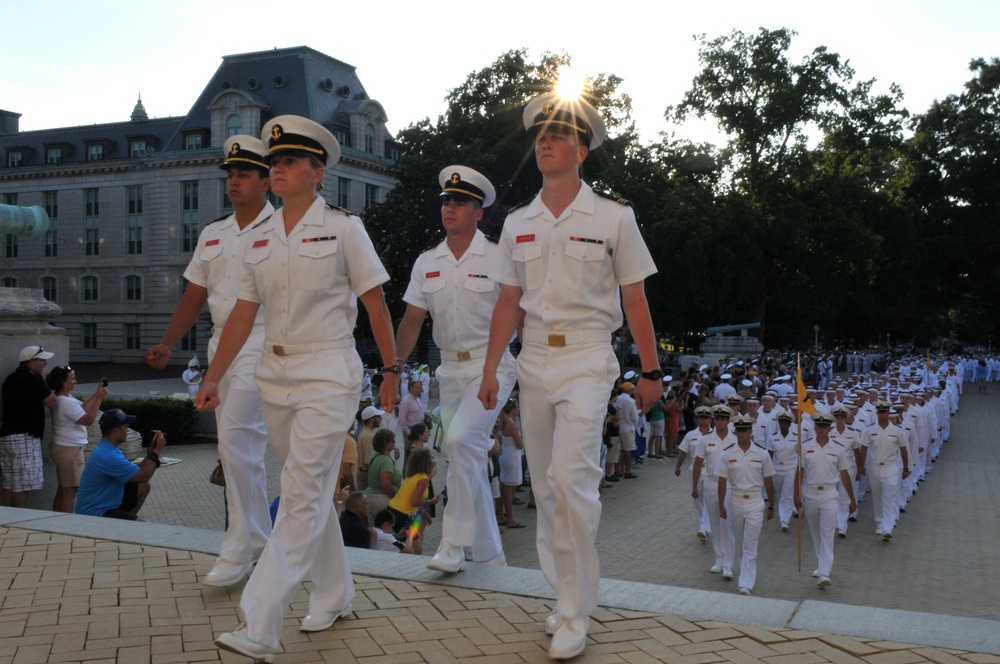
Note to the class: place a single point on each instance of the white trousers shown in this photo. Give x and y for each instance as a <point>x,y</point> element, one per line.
<point>700,509</point>
<point>242,437</point>
<point>844,502</point>
<point>469,518</point>
<point>309,403</point>
<point>564,397</point>
<point>884,482</point>
<point>722,533</point>
<point>745,517</point>
<point>784,494</point>
<point>821,517</point>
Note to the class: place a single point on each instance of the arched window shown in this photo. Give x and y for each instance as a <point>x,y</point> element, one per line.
<point>133,288</point>
<point>9,282</point>
<point>234,125</point>
<point>370,138</point>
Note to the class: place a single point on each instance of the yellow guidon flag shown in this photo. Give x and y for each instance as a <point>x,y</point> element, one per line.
<point>805,403</point>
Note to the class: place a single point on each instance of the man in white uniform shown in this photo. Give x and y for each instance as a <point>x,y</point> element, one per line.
<point>572,260</point>
<point>214,277</point>
<point>452,281</point>
<point>885,447</point>
<point>308,265</point>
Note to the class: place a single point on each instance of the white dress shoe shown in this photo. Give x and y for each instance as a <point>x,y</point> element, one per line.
<point>496,561</point>
<point>715,569</point>
<point>317,622</point>
<point>449,558</point>
<point>239,643</point>
<point>824,582</point>
<point>702,536</point>
<point>745,591</point>
<point>551,623</point>
<point>784,527</point>
<point>727,573</point>
<point>887,536</point>
<point>569,640</point>
<point>225,573</point>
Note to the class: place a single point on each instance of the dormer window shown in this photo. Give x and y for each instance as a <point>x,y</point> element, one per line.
<point>95,152</point>
<point>15,158</point>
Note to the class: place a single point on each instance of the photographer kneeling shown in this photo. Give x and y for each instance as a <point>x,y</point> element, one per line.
<point>111,485</point>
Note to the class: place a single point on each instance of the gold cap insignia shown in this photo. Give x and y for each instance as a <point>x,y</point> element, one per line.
<point>276,131</point>
<point>547,108</point>
<point>233,151</point>
<point>455,178</point>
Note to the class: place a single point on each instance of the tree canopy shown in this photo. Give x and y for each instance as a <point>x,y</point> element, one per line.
<point>817,210</point>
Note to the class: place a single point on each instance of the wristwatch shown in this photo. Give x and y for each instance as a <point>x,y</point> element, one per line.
<point>395,368</point>
<point>154,457</point>
<point>655,374</point>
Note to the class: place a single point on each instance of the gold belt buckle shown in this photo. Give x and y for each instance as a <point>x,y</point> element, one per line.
<point>278,350</point>
<point>746,496</point>
<point>464,355</point>
<point>557,340</point>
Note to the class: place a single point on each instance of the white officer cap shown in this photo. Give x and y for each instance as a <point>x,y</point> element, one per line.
<point>465,182</point>
<point>293,134</point>
<point>246,151</point>
<point>575,114</point>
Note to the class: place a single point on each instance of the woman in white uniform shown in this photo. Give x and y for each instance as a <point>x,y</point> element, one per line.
<point>307,264</point>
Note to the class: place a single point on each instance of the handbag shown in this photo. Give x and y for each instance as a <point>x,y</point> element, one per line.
<point>218,476</point>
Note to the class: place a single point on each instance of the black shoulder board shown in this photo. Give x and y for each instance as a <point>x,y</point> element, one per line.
<point>493,239</point>
<point>522,204</point>
<point>261,222</point>
<point>616,199</point>
<point>339,209</point>
<point>728,447</point>
<point>225,216</point>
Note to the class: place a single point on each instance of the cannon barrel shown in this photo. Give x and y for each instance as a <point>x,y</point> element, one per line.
<point>25,221</point>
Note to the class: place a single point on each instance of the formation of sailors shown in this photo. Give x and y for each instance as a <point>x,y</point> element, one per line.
<point>826,448</point>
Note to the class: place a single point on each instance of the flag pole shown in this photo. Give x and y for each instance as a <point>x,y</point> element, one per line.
<point>798,452</point>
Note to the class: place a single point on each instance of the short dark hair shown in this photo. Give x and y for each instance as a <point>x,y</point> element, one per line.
<point>417,430</point>
<point>57,377</point>
<point>384,517</point>
<point>381,440</point>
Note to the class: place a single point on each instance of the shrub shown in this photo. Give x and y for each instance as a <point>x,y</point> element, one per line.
<point>174,417</point>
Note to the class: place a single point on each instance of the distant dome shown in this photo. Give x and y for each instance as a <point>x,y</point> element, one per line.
<point>139,112</point>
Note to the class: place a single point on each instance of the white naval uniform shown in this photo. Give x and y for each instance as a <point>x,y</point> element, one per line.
<point>784,455</point>
<point>710,449</point>
<point>745,473</point>
<point>884,472</point>
<point>569,271</point>
<point>850,438</point>
<point>309,379</point>
<point>217,265</point>
<point>689,445</point>
<point>821,466</point>
<point>460,295</point>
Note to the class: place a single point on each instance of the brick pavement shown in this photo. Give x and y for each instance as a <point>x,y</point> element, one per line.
<point>77,599</point>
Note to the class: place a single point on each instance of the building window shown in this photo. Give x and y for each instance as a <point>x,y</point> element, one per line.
<point>15,158</point>
<point>95,152</point>
<point>189,216</point>
<point>52,209</point>
<point>50,288</point>
<point>344,193</point>
<point>133,336</point>
<point>91,222</point>
<point>392,152</point>
<point>371,195</point>
<point>88,289</point>
<point>234,125</point>
<point>53,155</point>
<point>227,205</point>
<point>10,246</point>
<point>10,199</point>
<point>193,141</point>
<point>370,138</point>
<point>341,136</point>
<point>133,288</point>
<point>90,336</point>
<point>133,220</point>
<point>189,342</point>
<point>9,282</point>
<point>137,147</point>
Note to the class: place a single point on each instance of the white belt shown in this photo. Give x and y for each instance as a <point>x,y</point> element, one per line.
<point>562,338</point>
<point>463,355</point>
<point>299,349</point>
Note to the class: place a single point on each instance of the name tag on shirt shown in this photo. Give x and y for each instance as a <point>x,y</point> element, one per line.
<point>433,275</point>
<point>525,238</point>
<point>212,243</point>
<point>259,243</point>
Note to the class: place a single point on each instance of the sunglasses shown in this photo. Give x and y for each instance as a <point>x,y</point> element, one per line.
<point>35,356</point>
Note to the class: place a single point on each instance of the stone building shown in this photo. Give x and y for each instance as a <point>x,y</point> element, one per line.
<point>127,200</point>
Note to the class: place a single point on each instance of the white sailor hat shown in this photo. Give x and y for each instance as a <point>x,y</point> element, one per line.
<point>244,151</point>
<point>575,114</point>
<point>629,375</point>
<point>465,182</point>
<point>722,411</point>
<point>725,376</point>
<point>297,135</point>
<point>822,418</point>
<point>742,423</point>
